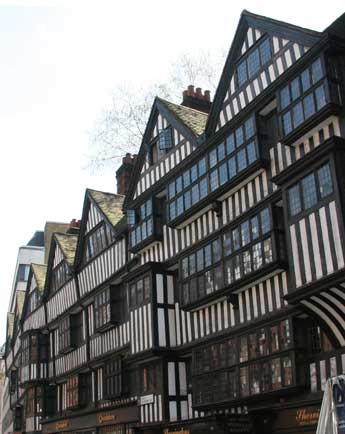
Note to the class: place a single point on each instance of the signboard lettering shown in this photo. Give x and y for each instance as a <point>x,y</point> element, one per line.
<point>103,418</point>
<point>63,424</point>
<point>146,399</point>
<point>307,417</point>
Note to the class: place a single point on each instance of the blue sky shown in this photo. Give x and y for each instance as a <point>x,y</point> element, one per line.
<point>60,62</point>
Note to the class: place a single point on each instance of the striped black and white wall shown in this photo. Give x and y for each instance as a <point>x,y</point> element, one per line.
<point>286,53</point>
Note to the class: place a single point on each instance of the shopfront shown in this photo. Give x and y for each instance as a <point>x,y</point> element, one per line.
<point>119,421</point>
<point>297,420</point>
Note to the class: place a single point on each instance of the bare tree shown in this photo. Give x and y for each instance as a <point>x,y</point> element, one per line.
<point>120,127</point>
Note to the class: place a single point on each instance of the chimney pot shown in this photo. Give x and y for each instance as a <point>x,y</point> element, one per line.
<point>123,173</point>
<point>198,93</point>
<point>191,90</point>
<point>207,95</point>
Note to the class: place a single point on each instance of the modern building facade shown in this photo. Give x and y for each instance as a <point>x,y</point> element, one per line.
<point>209,296</point>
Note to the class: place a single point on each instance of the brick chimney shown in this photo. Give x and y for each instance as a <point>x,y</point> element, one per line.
<point>195,99</point>
<point>124,172</point>
<point>74,227</point>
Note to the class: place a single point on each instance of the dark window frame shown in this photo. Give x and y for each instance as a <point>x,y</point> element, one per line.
<point>113,379</point>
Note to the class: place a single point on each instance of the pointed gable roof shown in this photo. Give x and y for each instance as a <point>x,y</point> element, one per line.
<point>39,272</point>
<point>192,119</point>
<point>189,122</point>
<point>110,205</point>
<point>251,28</point>
<point>68,245</point>
<point>98,206</point>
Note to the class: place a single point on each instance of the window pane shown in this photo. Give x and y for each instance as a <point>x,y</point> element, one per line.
<point>308,106</point>
<point>263,344</point>
<point>249,128</point>
<point>255,378</point>
<point>228,271</point>
<point>243,349</point>
<point>203,188</point>
<point>186,179</point>
<point>200,259</point>
<point>251,152</point>
<point>265,51</point>
<point>223,173</point>
<point>192,264</point>
<point>305,80</point>
<point>265,221</point>
<point>309,191</point>
<point>285,334</point>
<point>274,338</point>
<point>320,97</point>
<point>295,89</point>
<point>245,233</point>
<point>221,152</point>
<point>287,123</point>
<point>202,166</point>
<point>208,255</point>
<point>285,97</point>
<point>230,144</point>
<point>257,256</point>
<point>180,207</point>
<point>241,160</point>
<point>232,167</point>
<point>187,200</point>
<point>276,374</point>
<point>297,114</point>
<point>247,262</point>
<point>244,386</point>
<point>237,267</point>
<point>254,222</point>
<point>236,239</point>
<point>325,180</point>
<point>214,181</point>
<point>195,194</point>
<point>179,184</point>
<point>213,158</point>
<point>242,73</point>
<point>172,213</point>
<point>194,173</point>
<point>239,136</point>
<point>268,253</point>
<point>294,200</point>
<point>287,371</point>
<point>227,244</point>
<point>316,71</point>
<point>216,251</point>
<point>253,63</point>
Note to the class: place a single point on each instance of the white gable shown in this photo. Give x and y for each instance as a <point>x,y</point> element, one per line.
<point>33,283</point>
<point>93,218</point>
<point>58,256</point>
<point>284,54</point>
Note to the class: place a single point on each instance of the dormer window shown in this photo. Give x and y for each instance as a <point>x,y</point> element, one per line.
<point>251,65</point>
<point>161,145</point>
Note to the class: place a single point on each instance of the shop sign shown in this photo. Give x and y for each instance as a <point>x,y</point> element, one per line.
<point>146,399</point>
<point>62,424</point>
<point>305,416</point>
<point>182,431</point>
<point>106,418</point>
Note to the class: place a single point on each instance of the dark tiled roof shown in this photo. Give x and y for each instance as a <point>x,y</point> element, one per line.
<point>193,119</point>
<point>40,275</point>
<point>37,239</point>
<point>110,204</point>
<point>68,245</point>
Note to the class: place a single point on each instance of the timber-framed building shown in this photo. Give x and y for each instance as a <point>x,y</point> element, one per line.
<point>208,295</point>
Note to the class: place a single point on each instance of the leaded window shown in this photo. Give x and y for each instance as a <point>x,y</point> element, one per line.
<point>112,379</point>
<point>310,190</point>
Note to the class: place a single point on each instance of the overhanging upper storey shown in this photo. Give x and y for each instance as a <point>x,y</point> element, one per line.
<point>262,50</point>
<point>172,133</point>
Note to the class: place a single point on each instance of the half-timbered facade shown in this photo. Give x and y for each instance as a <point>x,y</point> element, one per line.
<point>211,297</point>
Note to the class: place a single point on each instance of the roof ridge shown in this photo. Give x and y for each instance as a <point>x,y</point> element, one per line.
<point>104,192</point>
<point>245,13</point>
<point>182,106</point>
